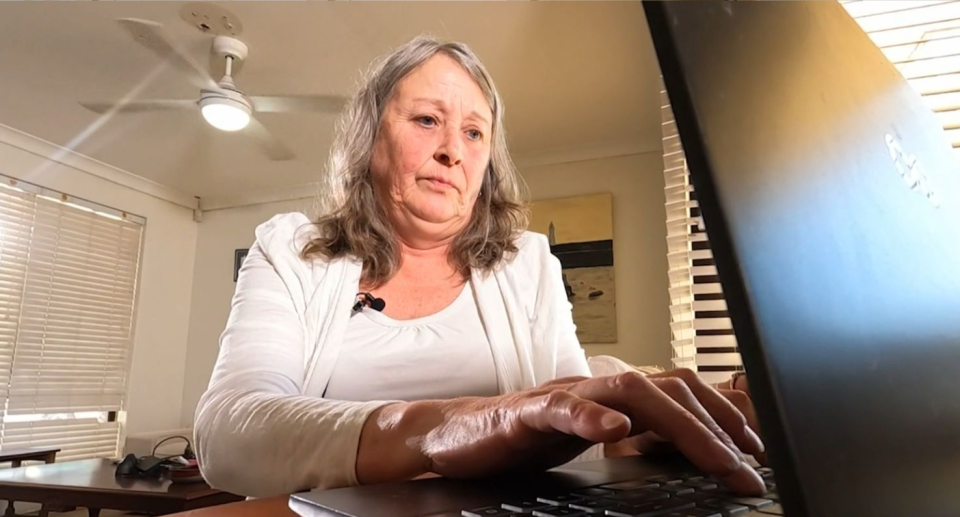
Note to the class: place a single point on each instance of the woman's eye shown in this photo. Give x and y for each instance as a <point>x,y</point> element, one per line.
<point>427,121</point>
<point>474,134</point>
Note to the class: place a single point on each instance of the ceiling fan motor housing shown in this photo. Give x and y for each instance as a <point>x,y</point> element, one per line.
<point>229,93</point>
<point>225,46</point>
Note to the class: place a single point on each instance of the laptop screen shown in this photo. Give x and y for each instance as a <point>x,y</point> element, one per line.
<point>832,202</point>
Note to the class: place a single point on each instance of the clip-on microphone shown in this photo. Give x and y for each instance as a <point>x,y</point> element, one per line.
<point>369,300</point>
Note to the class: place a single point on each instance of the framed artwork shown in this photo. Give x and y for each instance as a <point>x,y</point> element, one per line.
<point>238,256</point>
<point>580,231</point>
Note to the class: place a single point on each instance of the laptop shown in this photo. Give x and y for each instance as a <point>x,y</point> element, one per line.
<point>832,202</point>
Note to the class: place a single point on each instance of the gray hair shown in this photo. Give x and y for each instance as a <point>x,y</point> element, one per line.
<point>350,219</point>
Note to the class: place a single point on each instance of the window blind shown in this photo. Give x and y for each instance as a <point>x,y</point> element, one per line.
<point>702,336</point>
<point>922,39</point>
<point>68,283</point>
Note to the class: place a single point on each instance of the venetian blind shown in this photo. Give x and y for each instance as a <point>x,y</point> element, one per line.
<point>68,283</point>
<point>702,336</point>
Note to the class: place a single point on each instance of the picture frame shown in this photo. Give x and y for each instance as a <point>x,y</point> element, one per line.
<point>238,257</point>
<point>579,230</point>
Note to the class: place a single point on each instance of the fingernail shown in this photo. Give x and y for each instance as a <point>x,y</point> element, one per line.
<point>757,442</point>
<point>745,481</point>
<point>611,421</point>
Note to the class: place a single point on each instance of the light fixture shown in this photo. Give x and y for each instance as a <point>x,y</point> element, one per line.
<point>225,113</point>
<point>227,108</point>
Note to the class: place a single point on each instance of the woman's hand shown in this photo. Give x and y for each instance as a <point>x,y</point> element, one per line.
<point>723,417</point>
<point>550,425</point>
<point>736,390</point>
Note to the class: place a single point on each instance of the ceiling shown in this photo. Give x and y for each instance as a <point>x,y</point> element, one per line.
<point>574,75</point>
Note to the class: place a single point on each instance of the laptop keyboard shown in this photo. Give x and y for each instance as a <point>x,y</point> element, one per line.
<point>658,496</point>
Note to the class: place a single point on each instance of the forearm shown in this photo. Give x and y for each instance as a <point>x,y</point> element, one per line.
<point>302,442</point>
<point>391,443</point>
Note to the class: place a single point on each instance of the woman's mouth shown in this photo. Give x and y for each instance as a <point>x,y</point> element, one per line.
<point>438,183</point>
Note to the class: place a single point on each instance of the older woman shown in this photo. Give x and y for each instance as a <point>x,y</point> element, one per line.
<point>473,367</point>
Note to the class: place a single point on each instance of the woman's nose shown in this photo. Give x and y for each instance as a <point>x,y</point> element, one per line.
<point>450,151</point>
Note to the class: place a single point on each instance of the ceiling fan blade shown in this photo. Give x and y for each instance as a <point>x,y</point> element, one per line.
<point>152,35</point>
<point>272,146</point>
<point>140,106</point>
<point>295,103</point>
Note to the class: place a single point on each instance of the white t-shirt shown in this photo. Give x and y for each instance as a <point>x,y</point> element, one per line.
<point>440,356</point>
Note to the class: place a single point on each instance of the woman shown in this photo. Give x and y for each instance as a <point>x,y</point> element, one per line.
<point>473,367</point>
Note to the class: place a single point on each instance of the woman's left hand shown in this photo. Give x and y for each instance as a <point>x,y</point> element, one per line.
<point>736,390</point>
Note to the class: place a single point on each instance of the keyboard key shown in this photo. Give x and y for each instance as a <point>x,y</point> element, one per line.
<point>559,500</point>
<point>596,506</point>
<point>652,509</point>
<point>700,484</point>
<point>665,480</point>
<point>752,502</point>
<point>694,512</point>
<point>631,485</point>
<point>488,511</point>
<point>691,477</point>
<point>702,497</point>
<point>675,490</point>
<point>525,506</point>
<point>638,496</point>
<point>558,512</point>
<point>725,508</point>
<point>773,496</point>
<point>720,490</point>
<point>592,492</point>
<point>773,509</point>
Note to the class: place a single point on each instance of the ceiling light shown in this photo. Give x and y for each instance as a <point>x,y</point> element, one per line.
<point>225,114</point>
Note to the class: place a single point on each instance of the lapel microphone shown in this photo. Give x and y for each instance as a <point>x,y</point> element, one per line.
<point>369,300</point>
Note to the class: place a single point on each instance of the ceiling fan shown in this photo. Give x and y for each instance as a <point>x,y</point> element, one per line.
<point>222,103</point>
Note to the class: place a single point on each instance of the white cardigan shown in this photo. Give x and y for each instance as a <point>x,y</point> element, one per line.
<point>262,427</point>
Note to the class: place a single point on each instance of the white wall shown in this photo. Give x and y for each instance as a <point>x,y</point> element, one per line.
<point>163,312</point>
<point>639,245</point>
<point>636,182</point>
<point>221,232</point>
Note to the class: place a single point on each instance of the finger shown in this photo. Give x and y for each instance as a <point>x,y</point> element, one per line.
<point>680,392</point>
<point>651,443</point>
<point>650,409</point>
<point>723,411</point>
<point>562,411</point>
<point>745,405</point>
<point>564,380</point>
<point>743,384</point>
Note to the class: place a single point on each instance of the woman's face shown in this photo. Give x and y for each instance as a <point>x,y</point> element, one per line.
<point>432,150</point>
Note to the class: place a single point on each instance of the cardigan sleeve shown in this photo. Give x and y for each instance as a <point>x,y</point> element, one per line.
<point>256,434</point>
<point>553,313</point>
<point>571,358</point>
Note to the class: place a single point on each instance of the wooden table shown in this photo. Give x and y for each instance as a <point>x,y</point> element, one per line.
<point>269,507</point>
<point>17,456</point>
<point>272,507</point>
<point>91,484</point>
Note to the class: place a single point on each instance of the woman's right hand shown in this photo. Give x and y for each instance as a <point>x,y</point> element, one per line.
<point>547,426</point>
